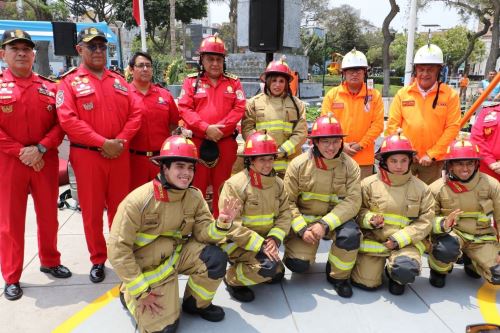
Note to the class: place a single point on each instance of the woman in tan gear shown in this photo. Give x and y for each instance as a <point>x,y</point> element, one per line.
<point>252,244</point>
<point>395,217</point>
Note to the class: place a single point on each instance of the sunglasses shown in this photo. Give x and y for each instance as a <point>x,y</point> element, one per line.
<point>94,47</point>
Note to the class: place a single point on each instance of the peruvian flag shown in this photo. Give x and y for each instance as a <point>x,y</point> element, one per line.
<point>135,11</point>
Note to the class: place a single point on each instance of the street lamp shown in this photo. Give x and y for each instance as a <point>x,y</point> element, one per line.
<point>430,26</point>
<point>119,25</point>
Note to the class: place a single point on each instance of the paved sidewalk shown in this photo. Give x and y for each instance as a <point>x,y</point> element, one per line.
<point>301,303</point>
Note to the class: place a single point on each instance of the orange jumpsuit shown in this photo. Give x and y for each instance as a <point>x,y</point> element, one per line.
<point>362,123</point>
<point>430,130</point>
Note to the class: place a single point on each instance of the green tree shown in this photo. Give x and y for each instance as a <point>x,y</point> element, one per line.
<point>95,10</point>
<point>483,10</point>
<point>453,42</point>
<point>314,47</point>
<point>388,39</point>
<point>36,10</point>
<point>346,29</point>
<point>156,15</point>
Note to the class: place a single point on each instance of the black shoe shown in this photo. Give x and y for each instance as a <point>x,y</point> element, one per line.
<point>470,271</point>
<point>211,313</point>
<point>240,293</point>
<point>13,291</point>
<point>341,286</point>
<point>362,286</point>
<point>437,279</point>
<point>277,278</point>
<point>396,288</point>
<point>97,273</point>
<point>60,271</point>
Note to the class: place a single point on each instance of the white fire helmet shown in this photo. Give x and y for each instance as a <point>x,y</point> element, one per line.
<point>429,54</point>
<point>354,59</point>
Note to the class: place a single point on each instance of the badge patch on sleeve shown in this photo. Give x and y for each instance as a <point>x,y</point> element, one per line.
<point>59,98</point>
<point>240,95</point>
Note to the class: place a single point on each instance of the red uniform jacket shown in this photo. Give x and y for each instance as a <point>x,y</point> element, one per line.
<point>92,110</point>
<point>27,113</point>
<point>486,134</point>
<point>159,111</point>
<point>223,104</point>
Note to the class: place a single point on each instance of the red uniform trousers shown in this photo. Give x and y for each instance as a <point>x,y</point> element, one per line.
<point>17,180</point>
<point>219,174</point>
<point>101,183</point>
<point>143,170</point>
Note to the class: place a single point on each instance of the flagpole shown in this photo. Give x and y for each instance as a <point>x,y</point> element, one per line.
<point>143,26</point>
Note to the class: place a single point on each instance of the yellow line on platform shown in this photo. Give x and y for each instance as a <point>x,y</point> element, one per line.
<point>70,324</point>
<point>486,298</point>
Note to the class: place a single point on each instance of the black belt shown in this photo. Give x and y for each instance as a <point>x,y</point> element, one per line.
<point>77,145</point>
<point>145,153</point>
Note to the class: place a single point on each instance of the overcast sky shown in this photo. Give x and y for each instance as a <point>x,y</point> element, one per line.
<point>376,10</point>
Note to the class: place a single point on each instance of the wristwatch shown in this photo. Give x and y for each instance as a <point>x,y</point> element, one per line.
<point>41,148</point>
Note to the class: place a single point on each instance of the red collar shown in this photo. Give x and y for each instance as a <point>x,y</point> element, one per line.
<point>255,179</point>
<point>456,187</point>
<point>385,177</point>
<point>160,193</point>
<point>320,164</point>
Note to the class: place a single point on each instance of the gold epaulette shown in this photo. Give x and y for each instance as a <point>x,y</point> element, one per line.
<point>118,72</point>
<point>231,76</point>
<point>47,78</point>
<point>71,70</point>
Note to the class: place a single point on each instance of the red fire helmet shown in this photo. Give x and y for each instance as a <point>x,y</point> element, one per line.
<point>177,147</point>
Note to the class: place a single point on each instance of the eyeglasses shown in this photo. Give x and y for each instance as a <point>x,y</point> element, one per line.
<point>94,47</point>
<point>144,66</point>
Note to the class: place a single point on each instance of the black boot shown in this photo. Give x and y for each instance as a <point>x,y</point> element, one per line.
<point>277,278</point>
<point>362,286</point>
<point>172,328</point>
<point>240,293</point>
<point>437,279</point>
<point>394,287</point>
<point>469,267</point>
<point>470,271</point>
<point>341,286</point>
<point>211,313</point>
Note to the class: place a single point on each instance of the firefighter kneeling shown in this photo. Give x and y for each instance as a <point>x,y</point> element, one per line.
<point>162,229</point>
<point>324,191</point>
<point>467,204</point>
<point>253,242</point>
<point>395,216</point>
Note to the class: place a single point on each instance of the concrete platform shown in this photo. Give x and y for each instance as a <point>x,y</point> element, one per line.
<point>300,304</point>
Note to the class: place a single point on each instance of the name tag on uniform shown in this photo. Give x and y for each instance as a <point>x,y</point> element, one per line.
<point>337,105</point>
<point>408,103</point>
